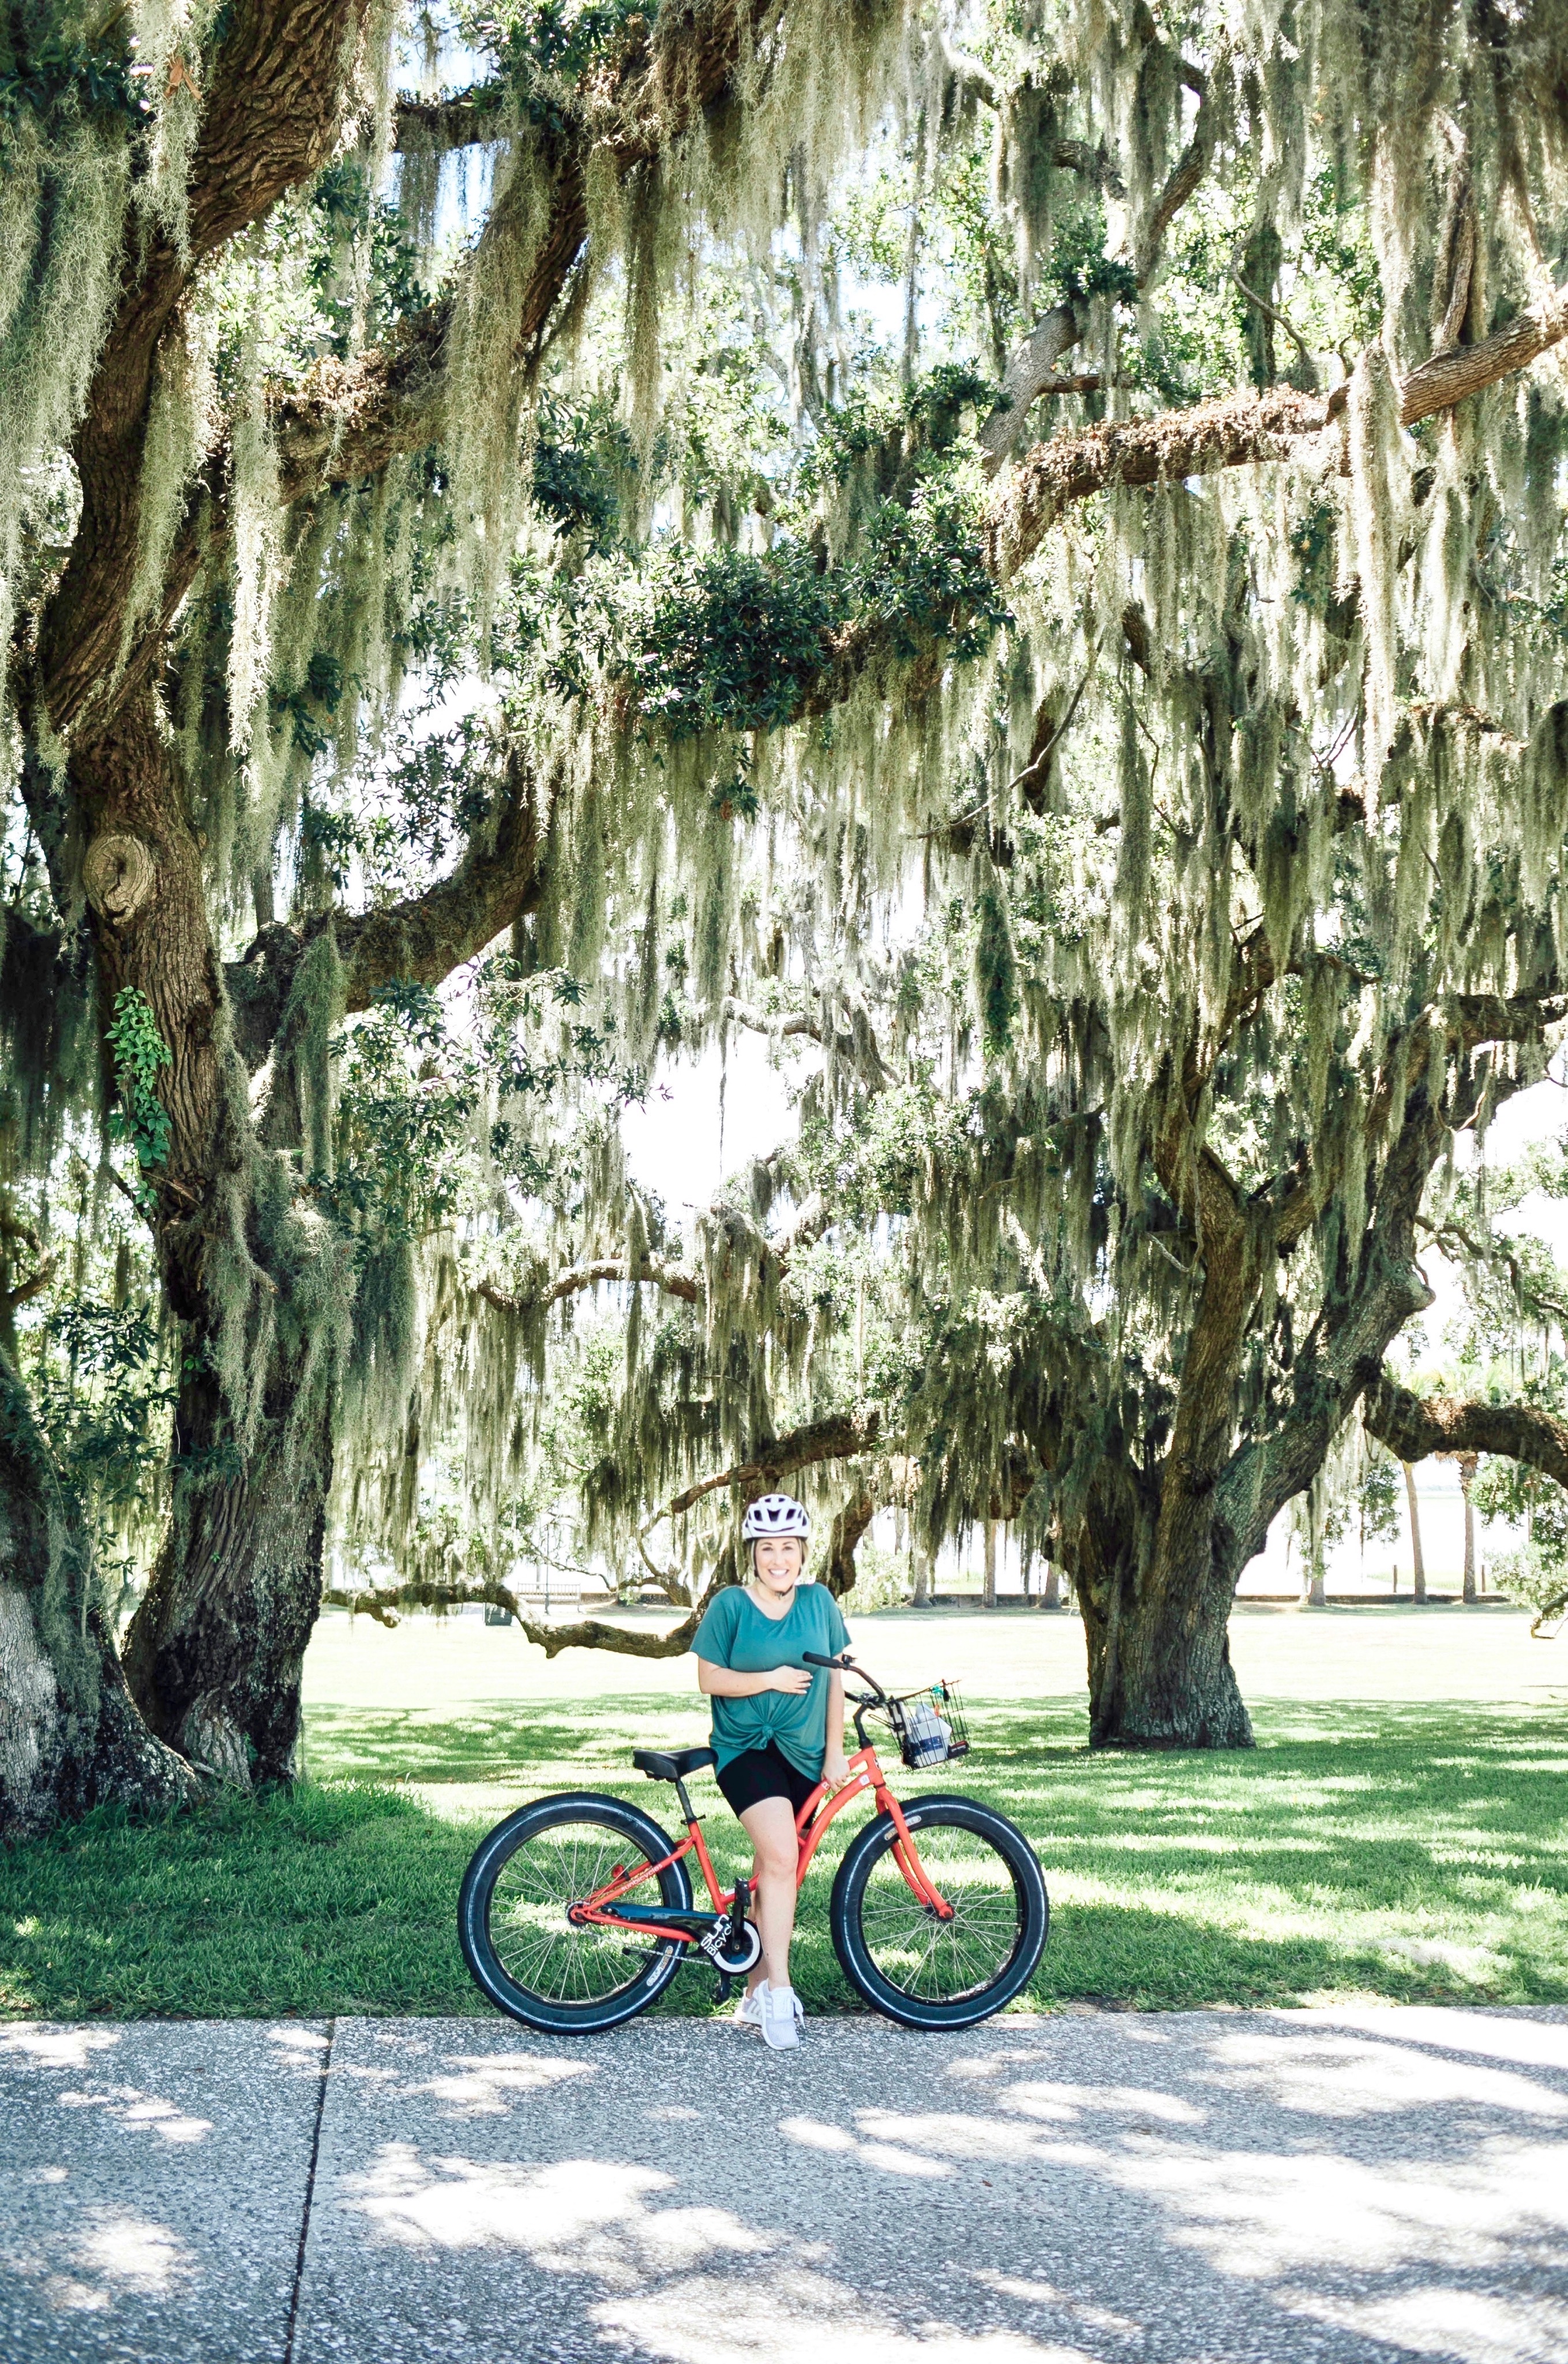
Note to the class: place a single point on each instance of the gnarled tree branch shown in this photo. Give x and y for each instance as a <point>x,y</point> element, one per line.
<point>348,419</point>
<point>425,937</point>
<point>1413,1426</point>
<point>437,126</point>
<point>383,1601</point>
<point>273,113</point>
<point>1187,176</point>
<point>675,1279</point>
<point>671,1278</point>
<point>1033,371</point>
<point>842,1436</point>
<point>856,1044</point>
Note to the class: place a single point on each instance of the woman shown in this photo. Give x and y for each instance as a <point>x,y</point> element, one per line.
<point>778,1730</point>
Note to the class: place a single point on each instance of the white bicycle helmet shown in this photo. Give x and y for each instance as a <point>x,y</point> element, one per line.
<point>775,1514</point>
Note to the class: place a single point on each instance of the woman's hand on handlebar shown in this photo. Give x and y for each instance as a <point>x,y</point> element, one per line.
<point>875,1697</point>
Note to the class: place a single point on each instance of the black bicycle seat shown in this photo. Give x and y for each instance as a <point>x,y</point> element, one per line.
<point>673,1768</point>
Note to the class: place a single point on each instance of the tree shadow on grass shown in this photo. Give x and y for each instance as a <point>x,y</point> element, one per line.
<point>1414,1851</point>
<point>543,1744</point>
<point>1408,1849</point>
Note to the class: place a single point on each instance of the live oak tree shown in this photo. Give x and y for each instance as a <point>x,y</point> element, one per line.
<point>1159,1255</point>
<point>1224,1133</point>
<point>1215,704</point>
<point>265,456</point>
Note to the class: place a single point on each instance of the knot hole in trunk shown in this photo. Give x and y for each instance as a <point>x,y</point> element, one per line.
<point>117,876</point>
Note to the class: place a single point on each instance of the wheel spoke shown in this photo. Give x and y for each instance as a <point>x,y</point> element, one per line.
<point>532,1939</point>
<point>936,1960</point>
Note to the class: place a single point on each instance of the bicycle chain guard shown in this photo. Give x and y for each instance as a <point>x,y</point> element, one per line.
<point>732,1960</point>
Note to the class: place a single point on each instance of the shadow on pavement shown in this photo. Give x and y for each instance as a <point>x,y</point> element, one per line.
<point>1224,2186</point>
<point>153,2180</point>
<point>1348,2186</point>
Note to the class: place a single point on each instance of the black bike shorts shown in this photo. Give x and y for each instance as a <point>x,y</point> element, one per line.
<point>759,1773</point>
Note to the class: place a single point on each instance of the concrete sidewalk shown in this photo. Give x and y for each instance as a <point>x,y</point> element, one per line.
<point>1342,2186</point>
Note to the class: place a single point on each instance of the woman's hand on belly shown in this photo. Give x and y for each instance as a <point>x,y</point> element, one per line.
<point>727,1682</point>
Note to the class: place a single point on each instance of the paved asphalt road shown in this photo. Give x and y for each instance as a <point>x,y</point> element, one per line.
<point>1182,2188</point>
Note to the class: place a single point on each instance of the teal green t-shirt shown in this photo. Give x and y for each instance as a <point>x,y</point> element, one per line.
<point>735,1632</point>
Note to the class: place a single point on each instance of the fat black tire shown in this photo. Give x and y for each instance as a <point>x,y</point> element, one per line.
<point>870,1855</point>
<point>624,1828</point>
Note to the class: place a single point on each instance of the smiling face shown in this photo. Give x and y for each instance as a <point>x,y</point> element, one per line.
<point>777,1561</point>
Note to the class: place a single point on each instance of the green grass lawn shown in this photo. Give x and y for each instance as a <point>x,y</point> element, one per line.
<point>1411,1849</point>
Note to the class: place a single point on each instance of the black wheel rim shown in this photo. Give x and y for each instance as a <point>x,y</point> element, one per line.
<point>532,1940</point>
<point>923,1957</point>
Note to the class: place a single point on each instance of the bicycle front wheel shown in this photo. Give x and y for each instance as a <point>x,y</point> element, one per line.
<point>521,1949</point>
<point>905,1959</point>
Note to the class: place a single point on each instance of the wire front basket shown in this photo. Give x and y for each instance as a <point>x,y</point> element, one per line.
<point>930,1726</point>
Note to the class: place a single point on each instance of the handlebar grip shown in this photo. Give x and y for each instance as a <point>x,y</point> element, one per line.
<point>814,1658</point>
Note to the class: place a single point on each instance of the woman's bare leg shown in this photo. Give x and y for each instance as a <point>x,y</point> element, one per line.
<point>759,1969</point>
<point>770,1826</point>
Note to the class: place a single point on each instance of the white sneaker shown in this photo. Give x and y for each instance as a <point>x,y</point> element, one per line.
<point>781,2017</point>
<point>749,2010</point>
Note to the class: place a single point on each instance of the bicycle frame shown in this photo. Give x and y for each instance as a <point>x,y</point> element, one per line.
<point>811,1823</point>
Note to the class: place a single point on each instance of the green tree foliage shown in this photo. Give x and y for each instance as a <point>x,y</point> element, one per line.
<point>1013,556</point>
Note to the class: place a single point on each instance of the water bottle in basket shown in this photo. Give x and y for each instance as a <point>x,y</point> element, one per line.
<point>924,1741</point>
<point>930,1726</point>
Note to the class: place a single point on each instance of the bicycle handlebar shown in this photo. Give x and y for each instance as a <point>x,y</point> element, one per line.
<point>845,1664</point>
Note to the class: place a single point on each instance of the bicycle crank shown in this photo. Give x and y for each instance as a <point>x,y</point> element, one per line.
<point>732,1957</point>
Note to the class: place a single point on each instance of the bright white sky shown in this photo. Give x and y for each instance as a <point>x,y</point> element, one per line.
<point>711,1119</point>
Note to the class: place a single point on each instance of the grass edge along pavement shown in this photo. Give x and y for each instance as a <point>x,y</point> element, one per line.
<point>1408,1850</point>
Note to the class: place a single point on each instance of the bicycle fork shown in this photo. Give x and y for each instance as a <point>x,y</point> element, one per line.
<point>811,1825</point>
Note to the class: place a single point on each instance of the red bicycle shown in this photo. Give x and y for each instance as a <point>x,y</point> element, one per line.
<point>938,1911</point>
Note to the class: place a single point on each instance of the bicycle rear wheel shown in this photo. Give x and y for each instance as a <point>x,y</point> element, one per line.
<point>522,1951</point>
<point>905,1960</point>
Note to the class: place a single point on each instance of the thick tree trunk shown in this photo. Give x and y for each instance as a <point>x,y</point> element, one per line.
<point>1156,1578</point>
<point>215,1651</point>
<point>69,1733</point>
<point>988,1593</point>
<point>1050,1598</point>
<point>213,1655</point>
<point>1160,1672</point>
<point>1157,1612</point>
<point>1417,1562</point>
